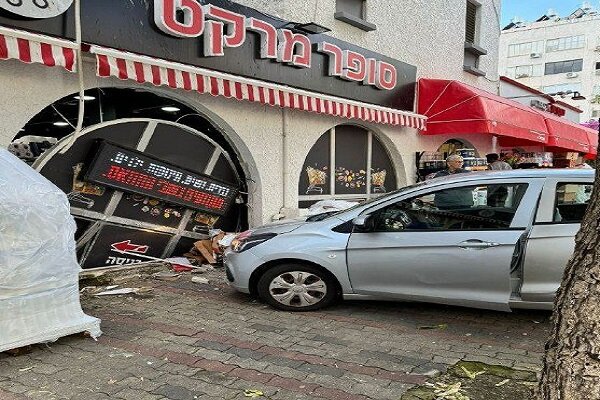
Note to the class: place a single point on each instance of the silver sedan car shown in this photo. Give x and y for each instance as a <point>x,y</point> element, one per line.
<point>495,240</point>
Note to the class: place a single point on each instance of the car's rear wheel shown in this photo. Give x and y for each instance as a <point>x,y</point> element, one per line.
<point>297,287</point>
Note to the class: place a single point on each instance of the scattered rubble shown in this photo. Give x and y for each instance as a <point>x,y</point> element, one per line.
<point>468,380</point>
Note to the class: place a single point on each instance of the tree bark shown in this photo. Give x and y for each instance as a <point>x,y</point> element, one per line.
<point>571,367</point>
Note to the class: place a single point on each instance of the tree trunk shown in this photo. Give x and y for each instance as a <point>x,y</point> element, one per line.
<point>572,361</point>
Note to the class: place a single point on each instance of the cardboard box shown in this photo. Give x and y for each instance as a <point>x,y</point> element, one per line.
<point>205,248</point>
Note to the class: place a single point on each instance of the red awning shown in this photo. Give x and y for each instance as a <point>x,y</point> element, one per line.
<point>34,48</point>
<point>593,139</point>
<point>453,107</point>
<point>159,72</point>
<point>569,136</point>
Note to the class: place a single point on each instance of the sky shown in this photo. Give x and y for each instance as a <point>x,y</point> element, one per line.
<point>530,10</point>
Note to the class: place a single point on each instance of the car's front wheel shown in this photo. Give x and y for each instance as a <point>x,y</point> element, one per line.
<point>297,287</point>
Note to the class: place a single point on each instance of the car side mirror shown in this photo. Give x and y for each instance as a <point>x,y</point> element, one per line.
<point>364,223</point>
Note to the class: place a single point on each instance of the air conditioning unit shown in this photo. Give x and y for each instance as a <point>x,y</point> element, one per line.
<point>598,72</point>
<point>518,76</point>
<point>597,48</point>
<point>572,75</point>
<point>535,55</point>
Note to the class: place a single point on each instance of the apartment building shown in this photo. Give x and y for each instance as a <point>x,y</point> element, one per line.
<point>557,54</point>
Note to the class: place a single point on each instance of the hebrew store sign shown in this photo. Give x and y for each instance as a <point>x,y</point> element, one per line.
<point>224,36</point>
<point>222,29</point>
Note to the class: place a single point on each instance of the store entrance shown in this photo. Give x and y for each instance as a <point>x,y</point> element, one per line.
<point>431,162</point>
<point>117,227</point>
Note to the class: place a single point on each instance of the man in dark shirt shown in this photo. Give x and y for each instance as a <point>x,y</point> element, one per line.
<point>454,164</point>
<point>457,197</point>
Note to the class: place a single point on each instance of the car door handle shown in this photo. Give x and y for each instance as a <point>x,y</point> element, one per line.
<point>477,244</point>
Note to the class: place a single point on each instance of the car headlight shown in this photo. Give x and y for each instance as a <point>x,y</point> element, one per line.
<point>243,243</point>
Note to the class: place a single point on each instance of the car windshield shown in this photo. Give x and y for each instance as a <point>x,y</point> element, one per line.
<point>325,215</point>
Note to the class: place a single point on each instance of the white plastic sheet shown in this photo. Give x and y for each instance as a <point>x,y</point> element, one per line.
<point>39,273</point>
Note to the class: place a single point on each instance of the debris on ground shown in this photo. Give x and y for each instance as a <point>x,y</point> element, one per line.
<point>199,279</point>
<point>166,276</point>
<point>470,374</point>
<point>439,326</point>
<point>203,269</point>
<point>445,391</point>
<point>252,393</point>
<point>113,292</point>
<point>492,382</point>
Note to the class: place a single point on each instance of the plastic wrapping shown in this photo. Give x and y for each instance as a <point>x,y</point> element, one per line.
<point>39,273</point>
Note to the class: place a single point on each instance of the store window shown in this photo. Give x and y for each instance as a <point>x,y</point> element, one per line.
<point>564,67</point>
<point>346,163</point>
<point>565,43</point>
<point>571,201</point>
<point>462,208</point>
<point>431,162</point>
<point>526,48</point>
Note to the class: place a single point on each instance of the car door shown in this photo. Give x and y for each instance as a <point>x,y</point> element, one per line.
<point>420,248</point>
<point>552,238</point>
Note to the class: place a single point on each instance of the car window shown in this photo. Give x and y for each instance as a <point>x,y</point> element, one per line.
<point>468,207</point>
<point>571,200</point>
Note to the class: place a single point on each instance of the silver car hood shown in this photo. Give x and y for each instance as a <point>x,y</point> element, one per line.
<point>280,226</point>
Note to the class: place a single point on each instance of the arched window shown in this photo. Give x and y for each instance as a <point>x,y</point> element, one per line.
<point>346,163</point>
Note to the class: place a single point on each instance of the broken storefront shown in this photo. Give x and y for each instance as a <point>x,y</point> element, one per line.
<point>163,122</point>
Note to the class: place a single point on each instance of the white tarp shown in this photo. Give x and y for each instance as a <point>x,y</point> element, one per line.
<point>39,273</point>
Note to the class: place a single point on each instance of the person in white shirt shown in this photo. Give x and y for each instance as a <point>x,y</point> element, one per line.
<point>495,164</point>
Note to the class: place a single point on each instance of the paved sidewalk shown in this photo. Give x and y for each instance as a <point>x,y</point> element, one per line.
<point>185,340</point>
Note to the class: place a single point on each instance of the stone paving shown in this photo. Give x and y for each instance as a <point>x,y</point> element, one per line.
<point>185,340</point>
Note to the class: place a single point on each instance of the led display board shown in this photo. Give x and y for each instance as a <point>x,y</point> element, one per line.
<point>132,171</point>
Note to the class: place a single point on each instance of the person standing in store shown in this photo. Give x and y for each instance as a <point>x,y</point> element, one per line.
<point>455,198</point>
<point>454,164</point>
<point>495,164</point>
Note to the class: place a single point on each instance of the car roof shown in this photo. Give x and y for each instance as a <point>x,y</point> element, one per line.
<point>518,173</point>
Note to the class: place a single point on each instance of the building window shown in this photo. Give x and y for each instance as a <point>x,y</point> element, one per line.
<point>563,87</point>
<point>597,65</point>
<point>353,12</point>
<point>527,48</point>
<point>471,23</point>
<point>472,50</point>
<point>565,43</point>
<point>525,71</point>
<point>346,163</point>
<point>561,67</point>
<point>355,8</point>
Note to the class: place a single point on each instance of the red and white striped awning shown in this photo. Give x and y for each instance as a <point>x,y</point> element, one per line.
<point>34,48</point>
<point>144,69</point>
